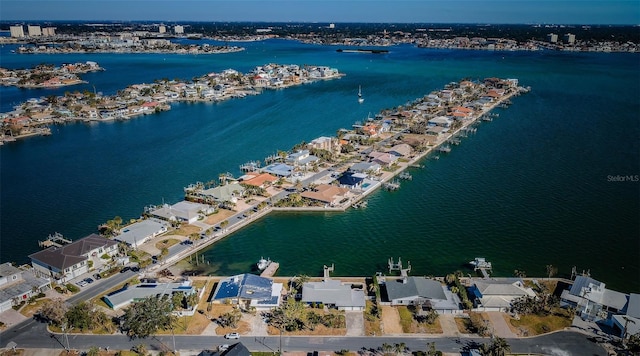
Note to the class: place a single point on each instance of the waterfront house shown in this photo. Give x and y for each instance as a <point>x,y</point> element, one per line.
<point>441,121</point>
<point>185,211</point>
<point>422,291</point>
<point>262,180</point>
<point>400,150</point>
<point>248,290</point>
<point>140,232</point>
<point>322,143</point>
<point>278,169</point>
<point>592,300</point>
<point>498,294</point>
<point>436,130</point>
<point>628,323</point>
<point>224,193</point>
<point>352,180</point>
<point>334,294</point>
<point>131,294</point>
<point>70,261</point>
<point>327,194</point>
<point>17,285</point>
<point>365,167</point>
<point>384,159</point>
<point>301,158</point>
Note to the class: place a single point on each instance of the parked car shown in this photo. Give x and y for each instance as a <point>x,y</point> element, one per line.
<point>232,336</point>
<point>135,269</point>
<point>88,280</point>
<point>81,283</point>
<point>97,276</point>
<point>125,269</point>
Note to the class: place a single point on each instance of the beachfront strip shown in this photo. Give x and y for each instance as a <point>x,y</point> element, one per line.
<point>34,116</point>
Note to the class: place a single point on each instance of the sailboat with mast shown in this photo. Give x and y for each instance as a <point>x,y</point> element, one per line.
<point>360,98</point>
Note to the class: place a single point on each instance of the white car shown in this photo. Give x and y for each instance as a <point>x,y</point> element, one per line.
<point>223,347</point>
<point>232,336</point>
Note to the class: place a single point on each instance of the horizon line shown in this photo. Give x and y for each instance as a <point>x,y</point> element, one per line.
<point>333,22</point>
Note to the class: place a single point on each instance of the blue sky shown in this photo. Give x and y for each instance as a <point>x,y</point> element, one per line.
<point>428,11</point>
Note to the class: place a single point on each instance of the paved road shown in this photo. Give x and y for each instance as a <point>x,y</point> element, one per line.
<point>34,335</point>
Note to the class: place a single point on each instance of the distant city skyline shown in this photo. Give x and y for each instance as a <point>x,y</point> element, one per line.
<point>614,12</point>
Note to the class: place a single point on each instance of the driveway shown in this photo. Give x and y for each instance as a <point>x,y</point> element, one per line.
<point>448,324</point>
<point>499,324</point>
<point>355,323</point>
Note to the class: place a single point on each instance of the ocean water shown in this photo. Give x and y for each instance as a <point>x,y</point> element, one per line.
<point>529,189</point>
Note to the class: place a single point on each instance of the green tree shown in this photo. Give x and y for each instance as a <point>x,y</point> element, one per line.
<point>146,317</point>
<point>80,316</point>
<point>224,224</point>
<point>93,351</point>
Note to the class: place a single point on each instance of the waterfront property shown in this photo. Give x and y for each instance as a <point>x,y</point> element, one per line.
<point>140,232</point>
<point>498,294</point>
<point>144,99</point>
<point>593,300</point>
<point>421,291</point>
<point>72,260</point>
<point>248,290</point>
<point>184,211</point>
<point>334,294</point>
<point>327,194</point>
<point>17,285</point>
<point>127,295</point>
<point>628,322</point>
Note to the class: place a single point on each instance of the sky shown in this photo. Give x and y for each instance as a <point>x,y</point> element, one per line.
<point>613,12</point>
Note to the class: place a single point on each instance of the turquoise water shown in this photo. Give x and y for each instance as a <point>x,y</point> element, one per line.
<point>529,189</point>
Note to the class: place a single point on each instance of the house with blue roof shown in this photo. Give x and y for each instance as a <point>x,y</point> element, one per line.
<point>279,169</point>
<point>249,290</point>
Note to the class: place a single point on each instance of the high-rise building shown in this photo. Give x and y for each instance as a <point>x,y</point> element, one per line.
<point>570,38</point>
<point>162,29</point>
<point>34,30</point>
<point>553,38</point>
<point>178,29</point>
<point>17,31</point>
<point>49,31</point>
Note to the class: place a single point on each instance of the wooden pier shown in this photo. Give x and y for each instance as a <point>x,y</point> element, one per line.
<point>271,269</point>
<point>56,240</point>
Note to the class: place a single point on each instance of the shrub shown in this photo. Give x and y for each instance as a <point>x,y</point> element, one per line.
<point>71,288</point>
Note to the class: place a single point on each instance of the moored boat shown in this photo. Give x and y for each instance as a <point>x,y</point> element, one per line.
<point>263,264</point>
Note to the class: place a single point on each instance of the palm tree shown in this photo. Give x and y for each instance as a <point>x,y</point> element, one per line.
<point>400,348</point>
<point>224,225</point>
<point>499,346</point>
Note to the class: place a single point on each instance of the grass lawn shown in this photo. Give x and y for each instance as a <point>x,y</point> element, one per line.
<point>29,309</point>
<point>535,325</point>
<point>219,216</point>
<point>410,325</point>
<point>167,242</point>
<point>372,326</point>
<point>463,325</point>
<point>406,318</point>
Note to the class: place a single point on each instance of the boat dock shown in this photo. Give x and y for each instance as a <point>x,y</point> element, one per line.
<point>271,269</point>
<point>56,240</point>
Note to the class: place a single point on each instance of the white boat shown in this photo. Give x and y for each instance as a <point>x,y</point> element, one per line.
<point>360,98</point>
<point>480,262</point>
<point>263,264</point>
